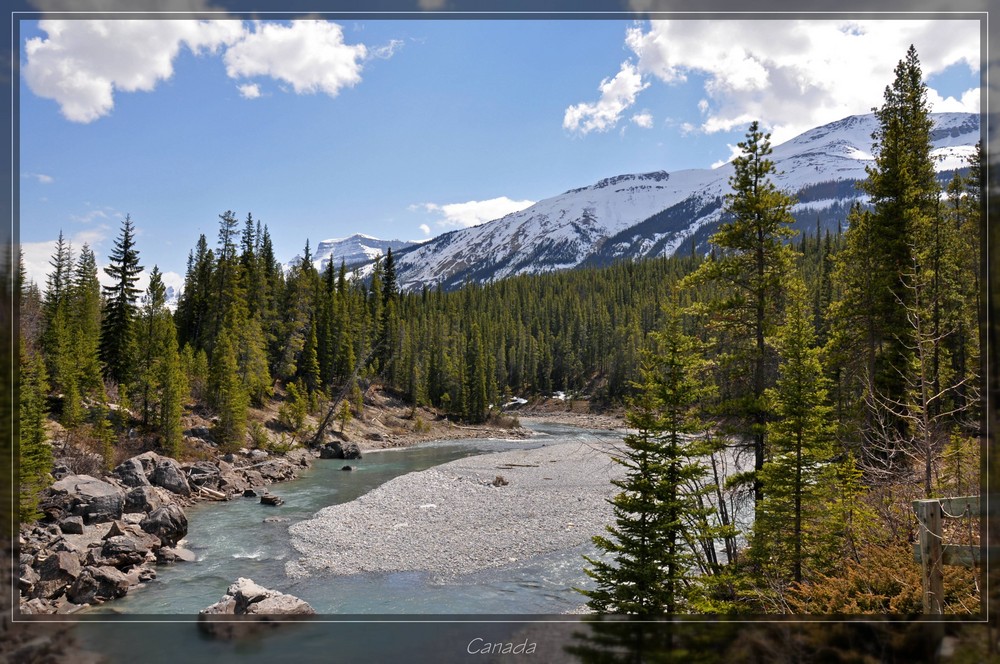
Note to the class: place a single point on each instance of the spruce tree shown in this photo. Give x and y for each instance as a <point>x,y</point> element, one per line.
<point>34,453</point>
<point>904,196</point>
<point>117,346</point>
<point>228,395</point>
<point>750,266</point>
<point>791,527</point>
<point>650,543</point>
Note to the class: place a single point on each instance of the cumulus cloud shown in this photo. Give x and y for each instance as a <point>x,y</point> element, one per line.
<point>473,213</point>
<point>425,229</point>
<point>617,95</point>
<point>644,120</point>
<point>81,64</point>
<point>311,56</point>
<point>249,91</point>
<point>790,75</point>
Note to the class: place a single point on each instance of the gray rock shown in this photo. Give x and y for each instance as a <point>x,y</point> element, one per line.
<point>89,497</point>
<point>142,499</point>
<point>204,474</point>
<point>27,579</point>
<point>348,468</point>
<point>98,584</point>
<point>248,598</point>
<point>338,450</point>
<point>200,432</point>
<point>270,499</point>
<point>168,523</point>
<point>132,473</point>
<point>258,455</point>
<point>71,525</point>
<point>123,551</point>
<point>55,573</point>
<point>167,473</point>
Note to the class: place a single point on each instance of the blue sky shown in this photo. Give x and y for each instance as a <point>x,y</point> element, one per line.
<point>406,129</point>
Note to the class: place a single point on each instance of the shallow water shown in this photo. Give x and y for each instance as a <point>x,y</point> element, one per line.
<point>232,539</point>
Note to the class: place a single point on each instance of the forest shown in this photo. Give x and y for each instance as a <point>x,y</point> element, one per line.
<point>844,367</point>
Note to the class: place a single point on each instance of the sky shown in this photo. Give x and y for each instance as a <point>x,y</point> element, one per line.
<point>408,129</point>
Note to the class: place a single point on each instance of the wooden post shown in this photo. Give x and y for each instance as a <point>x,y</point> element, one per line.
<point>929,516</point>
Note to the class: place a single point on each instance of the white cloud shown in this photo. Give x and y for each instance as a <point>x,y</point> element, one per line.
<point>387,51</point>
<point>644,120</point>
<point>250,91</point>
<point>790,75</point>
<point>42,178</point>
<point>425,229</point>
<point>38,254</point>
<point>969,102</point>
<point>734,151</point>
<point>794,75</point>
<point>617,95</point>
<point>311,56</point>
<point>473,213</point>
<point>82,63</point>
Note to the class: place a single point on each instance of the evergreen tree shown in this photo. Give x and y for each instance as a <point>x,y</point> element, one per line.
<point>117,327</point>
<point>85,315</point>
<point>750,267</point>
<point>34,453</point>
<point>792,533</point>
<point>904,195</point>
<point>652,539</point>
<point>228,394</point>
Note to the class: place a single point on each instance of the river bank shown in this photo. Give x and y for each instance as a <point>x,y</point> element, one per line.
<point>467,515</point>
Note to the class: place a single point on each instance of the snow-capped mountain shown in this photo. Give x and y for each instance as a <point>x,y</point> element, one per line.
<point>355,250</point>
<point>654,214</point>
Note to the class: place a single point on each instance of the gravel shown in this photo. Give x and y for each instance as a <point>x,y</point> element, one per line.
<point>452,519</point>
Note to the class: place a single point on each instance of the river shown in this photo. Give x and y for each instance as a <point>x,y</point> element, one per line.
<point>244,538</point>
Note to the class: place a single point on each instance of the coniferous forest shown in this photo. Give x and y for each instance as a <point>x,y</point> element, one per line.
<point>840,371</point>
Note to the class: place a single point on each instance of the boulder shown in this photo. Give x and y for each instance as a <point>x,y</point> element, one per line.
<point>337,450</point>
<point>204,474</point>
<point>168,523</point>
<point>55,573</point>
<point>270,499</point>
<point>167,473</point>
<point>27,578</point>
<point>249,493</point>
<point>96,501</point>
<point>132,473</point>
<point>98,584</point>
<point>123,551</point>
<point>258,455</point>
<point>348,468</point>
<point>200,432</point>
<point>71,525</point>
<point>142,499</point>
<point>248,598</point>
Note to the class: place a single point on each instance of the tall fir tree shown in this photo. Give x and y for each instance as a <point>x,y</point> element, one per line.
<point>793,535</point>
<point>34,453</point>
<point>117,346</point>
<point>653,563</point>
<point>749,269</point>
<point>904,196</point>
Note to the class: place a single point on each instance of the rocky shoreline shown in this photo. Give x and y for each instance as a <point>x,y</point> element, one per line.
<point>101,537</point>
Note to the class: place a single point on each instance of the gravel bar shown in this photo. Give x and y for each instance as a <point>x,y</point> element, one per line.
<point>452,520</point>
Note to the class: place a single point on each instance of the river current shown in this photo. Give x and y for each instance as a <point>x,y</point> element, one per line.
<point>244,538</point>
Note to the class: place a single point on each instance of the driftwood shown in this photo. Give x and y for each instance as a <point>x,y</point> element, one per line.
<point>332,411</point>
<point>212,493</point>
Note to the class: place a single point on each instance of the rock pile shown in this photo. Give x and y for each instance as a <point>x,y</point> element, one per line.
<point>253,607</point>
<point>100,537</point>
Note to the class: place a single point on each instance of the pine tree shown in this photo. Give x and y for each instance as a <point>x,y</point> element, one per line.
<point>117,328</point>
<point>85,314</point>
<point>791,526</point>
<point>750,267</point>
<point>34,453</point>
<point>228,394</point>
<point>904,195</point>
<point>653,534</point>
